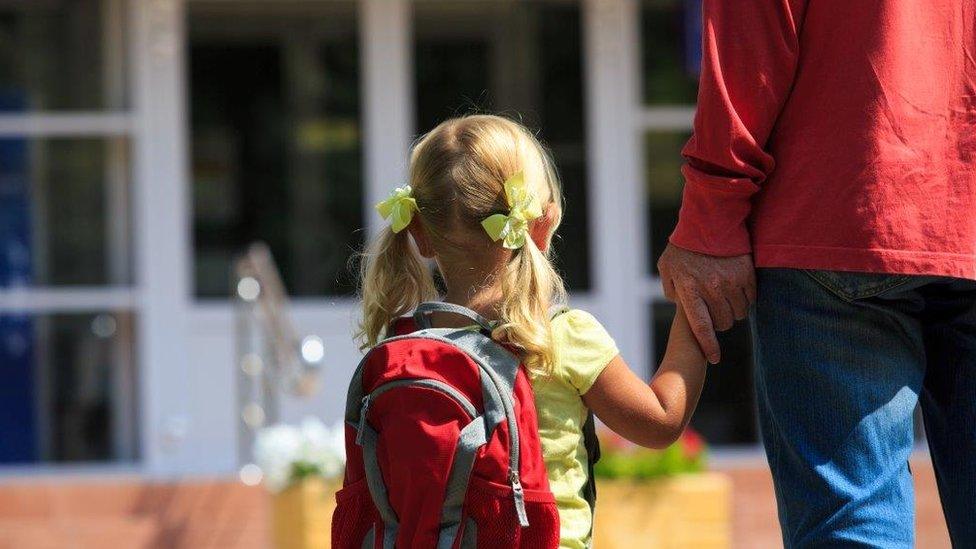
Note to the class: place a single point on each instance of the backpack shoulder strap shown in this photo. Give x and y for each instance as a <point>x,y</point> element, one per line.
<point>592,444</point>
<point>422,314</point>
<point>557,310</point>
<point>401,325</point>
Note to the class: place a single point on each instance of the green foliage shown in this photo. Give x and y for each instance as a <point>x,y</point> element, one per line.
<point>626,461</point>
<point>301,470</point>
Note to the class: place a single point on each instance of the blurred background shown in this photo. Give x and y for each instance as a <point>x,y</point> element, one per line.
<point>144,144</point>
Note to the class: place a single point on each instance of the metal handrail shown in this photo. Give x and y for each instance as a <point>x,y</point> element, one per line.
<point>272,359</point>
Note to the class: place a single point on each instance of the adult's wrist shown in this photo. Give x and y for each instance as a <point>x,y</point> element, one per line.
<point>712,220</point>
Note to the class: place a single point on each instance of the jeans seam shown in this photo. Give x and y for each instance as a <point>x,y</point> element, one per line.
<point>788,538</point>
<point>775,457</point>
<point>894,282</point>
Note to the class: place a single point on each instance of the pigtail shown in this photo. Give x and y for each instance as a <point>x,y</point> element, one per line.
<point>393,281</point>
<point>531,287</point>
<point>463,175</point>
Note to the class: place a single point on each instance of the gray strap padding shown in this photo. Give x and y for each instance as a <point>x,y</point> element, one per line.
<point>389,537</point>
<point>354,396</point>
<point>493,355</point>
<point>422,314</point>
<point>472,438</point>
<point>370,540</point>
<point>469,540</point>
<point>494,405</point>
<point>377,488</point>
<point>501,366</point>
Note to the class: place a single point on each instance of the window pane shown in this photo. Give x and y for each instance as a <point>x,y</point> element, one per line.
<point>276,142</point>
<point>662,155</point>
<point>727,410</point>
<point>64,212</point>
<point>519,59</point>
<point>671,35</point>
<point>69,388</point>
<point>62,54</point>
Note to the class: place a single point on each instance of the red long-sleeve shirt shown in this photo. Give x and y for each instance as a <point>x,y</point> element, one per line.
<point>836,134</point>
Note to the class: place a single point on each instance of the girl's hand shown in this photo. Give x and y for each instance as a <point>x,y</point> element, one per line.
<point>652,415</point>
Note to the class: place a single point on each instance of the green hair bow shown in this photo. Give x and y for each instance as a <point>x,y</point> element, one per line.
<point>513,229</point>
<point>398,208</point>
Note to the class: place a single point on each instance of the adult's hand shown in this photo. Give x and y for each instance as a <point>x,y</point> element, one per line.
<point>715,291</point>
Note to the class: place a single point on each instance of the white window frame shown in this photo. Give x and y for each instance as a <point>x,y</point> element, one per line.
<point>113,126</point>
<point>617,220</point>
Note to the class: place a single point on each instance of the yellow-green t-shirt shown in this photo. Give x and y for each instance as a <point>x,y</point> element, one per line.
<point>584,348</point>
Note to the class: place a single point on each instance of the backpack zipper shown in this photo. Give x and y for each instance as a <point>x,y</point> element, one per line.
<point>515,457</point>
<point>519,496</point>
<point>363,408</point>
<point>433,384</point>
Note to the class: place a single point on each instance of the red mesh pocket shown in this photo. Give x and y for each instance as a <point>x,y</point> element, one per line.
<point>492,508</point>
<point>353,517</point>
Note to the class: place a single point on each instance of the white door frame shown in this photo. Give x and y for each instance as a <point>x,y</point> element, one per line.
<point>386,62</point>
<point>162,217</point>
<point>615,185</point>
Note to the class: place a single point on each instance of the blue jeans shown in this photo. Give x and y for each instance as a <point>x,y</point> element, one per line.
<point>842,360</point>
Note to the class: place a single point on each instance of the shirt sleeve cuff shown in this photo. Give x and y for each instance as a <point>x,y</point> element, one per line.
<point>713,215</point>
<point>586,383</point>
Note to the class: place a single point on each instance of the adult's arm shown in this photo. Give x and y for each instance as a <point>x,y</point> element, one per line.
<point>750,53</point>
<point>750,56</point>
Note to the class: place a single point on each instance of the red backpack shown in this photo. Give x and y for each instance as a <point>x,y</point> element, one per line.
<point>442,445</point>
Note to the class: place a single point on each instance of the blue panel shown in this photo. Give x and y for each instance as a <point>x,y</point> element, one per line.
<point>693,36</point>
<point>18,424</point>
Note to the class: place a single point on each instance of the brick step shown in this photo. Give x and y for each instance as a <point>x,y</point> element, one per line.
<point>42,533</point>
<point>132,514</point>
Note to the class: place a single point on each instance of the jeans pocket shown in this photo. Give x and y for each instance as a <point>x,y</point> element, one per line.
<point>855,286</point>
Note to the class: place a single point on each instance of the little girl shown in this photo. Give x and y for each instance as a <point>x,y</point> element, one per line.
<point>484,203</point>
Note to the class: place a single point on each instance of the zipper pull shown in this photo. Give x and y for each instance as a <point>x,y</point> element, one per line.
<point>519,495</point>
<point>362,420</point>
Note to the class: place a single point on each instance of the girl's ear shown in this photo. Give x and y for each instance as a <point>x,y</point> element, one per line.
<point>420,236</point>
<point>541,228</point>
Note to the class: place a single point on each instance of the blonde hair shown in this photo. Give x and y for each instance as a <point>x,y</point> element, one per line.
<point>457,172</point>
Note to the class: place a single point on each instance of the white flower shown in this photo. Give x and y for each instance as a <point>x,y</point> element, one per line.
<point>324,446</point>
<point>276,449</point>
<point>281,451</point>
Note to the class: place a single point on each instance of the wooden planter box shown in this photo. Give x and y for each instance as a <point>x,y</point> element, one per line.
<point>685,511</point>
<point>301,515</point>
